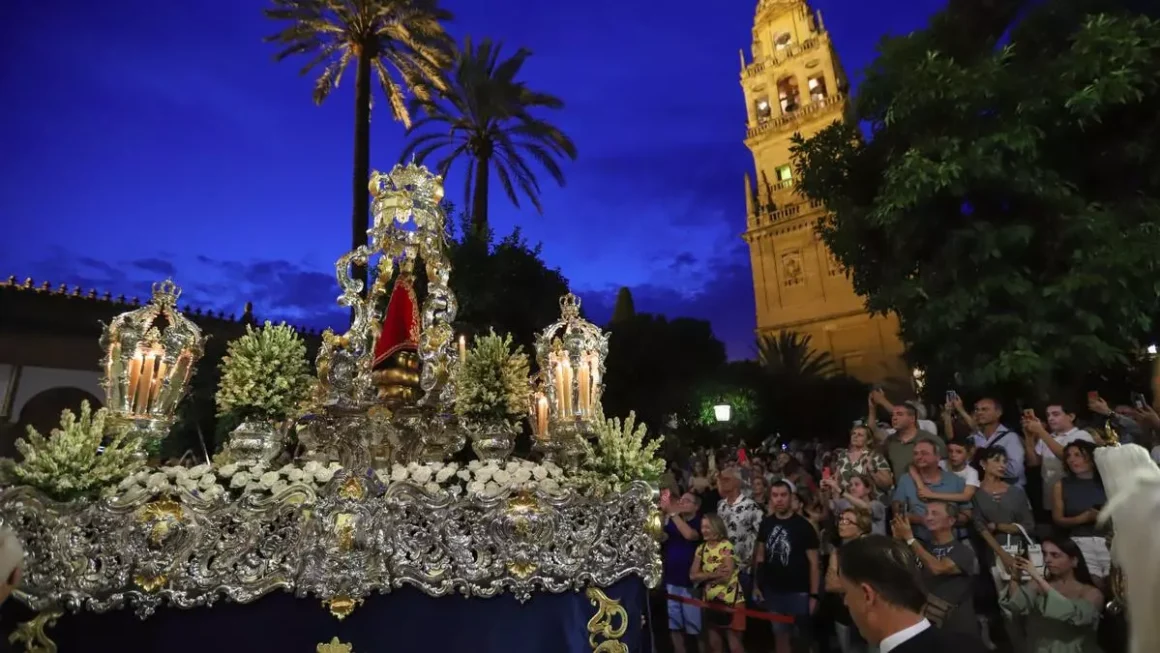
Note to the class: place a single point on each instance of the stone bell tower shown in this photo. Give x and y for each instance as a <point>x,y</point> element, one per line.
<point>794,83</point>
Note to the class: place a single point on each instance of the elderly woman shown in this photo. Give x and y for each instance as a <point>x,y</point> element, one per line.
<point>858,459</point>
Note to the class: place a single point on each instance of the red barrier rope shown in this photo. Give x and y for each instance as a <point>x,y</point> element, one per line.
<point>756,614</point>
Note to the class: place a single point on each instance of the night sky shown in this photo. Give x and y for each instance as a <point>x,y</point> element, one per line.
<point>143,139</point>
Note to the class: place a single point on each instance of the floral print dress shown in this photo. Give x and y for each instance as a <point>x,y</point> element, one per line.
<point>867,464</point>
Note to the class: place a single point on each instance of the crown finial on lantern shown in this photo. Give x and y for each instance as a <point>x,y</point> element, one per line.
<point>570,306</point>
<point>166,292</point>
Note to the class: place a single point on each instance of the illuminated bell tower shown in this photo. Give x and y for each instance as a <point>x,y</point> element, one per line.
<point>795,84</point>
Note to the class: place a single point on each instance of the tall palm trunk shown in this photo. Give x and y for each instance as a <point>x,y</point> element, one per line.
<point>479,198</point>
<point>362,161</point>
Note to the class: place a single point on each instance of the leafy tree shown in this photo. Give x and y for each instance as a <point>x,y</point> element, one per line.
<point>401,43</point>
<point>1004,200</point>
<point>789,355</point>
<point>485,117</point>
<point>625,309</point>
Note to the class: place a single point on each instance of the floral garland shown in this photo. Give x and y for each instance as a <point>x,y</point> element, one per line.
<point>265,374</point>
<point>233,479</point>
<point>479,478</point>
<point>491,383</point>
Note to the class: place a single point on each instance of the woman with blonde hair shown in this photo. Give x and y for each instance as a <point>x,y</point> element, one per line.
<point>716,569</point>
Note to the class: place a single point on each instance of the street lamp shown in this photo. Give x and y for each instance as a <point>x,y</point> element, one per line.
<point>722,412</point>
<point>1151,350</point>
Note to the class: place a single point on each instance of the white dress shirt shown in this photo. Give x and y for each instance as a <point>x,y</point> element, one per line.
<point>906,634</point>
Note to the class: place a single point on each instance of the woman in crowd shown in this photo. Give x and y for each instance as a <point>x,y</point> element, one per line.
<point>1062,608</point>
<point>759,487</point>
<point>715,568</point>
<point>858,493</point>
<point>852,524</point>
<point>1076,503</point>
<point>859,460</point>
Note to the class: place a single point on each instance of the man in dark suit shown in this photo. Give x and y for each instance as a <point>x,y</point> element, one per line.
<point>882,586</point>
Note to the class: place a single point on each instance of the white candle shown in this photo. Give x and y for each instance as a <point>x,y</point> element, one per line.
<point>130,396</point>
<point>558,375</point>
<point>462,348</point>
<point>541,415</point>
<point>567,374</point>
<point>144,384</point>
<point>155,390</point>
<point>584,396</point>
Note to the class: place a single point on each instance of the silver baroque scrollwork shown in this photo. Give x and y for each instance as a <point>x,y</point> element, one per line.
<point>347,541</point>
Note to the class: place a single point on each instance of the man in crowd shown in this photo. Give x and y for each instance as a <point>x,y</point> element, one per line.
<point>906,500</point>
<point>1044,446</point>
<point>786,564</point>
<point>948,566</point>
<point>990,432</point>
<point>682,534</point>
<point>742,517</point>
<point>899,445</point>
<point>883,590</point>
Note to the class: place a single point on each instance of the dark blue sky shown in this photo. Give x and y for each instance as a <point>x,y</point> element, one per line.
<point>144,139</point>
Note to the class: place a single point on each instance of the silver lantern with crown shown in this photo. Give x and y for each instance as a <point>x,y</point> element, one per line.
<point>150,354</point>
<point>570,354</point>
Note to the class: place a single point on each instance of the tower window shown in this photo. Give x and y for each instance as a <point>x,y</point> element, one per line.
<point>782,41</point>
<point>788,95</point>
<point>817,86</point>
<point>784,173</point>
<point>762,108</point>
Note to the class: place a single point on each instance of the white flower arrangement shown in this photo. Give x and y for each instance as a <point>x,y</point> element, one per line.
<point>492,382</point>
<point>486,479</point>
<point>230,480</point>
<point>71,462</point>
<point>265,374</point>
<point>622,454</point>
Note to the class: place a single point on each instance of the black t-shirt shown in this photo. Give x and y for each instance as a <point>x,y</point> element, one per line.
<point>786,568</point>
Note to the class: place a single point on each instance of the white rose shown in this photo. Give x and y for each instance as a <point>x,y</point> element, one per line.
<point>268,479</point>
<point>206,481</point>
<point>512,466</point>
<point>412,466</point>
<point>240,480</point>
<point>324,475</point>
<point>474,465</point>
<point>435,466</point>
<point>171,472</point>
<point>501,477</point>
<point>528,464</point>
<point>399,473</point>
<point>483,474</point>
<point>452,466</point>
<point>334,466</point>
<point>252,486</point>
<point>187,484</point>
<point>455,490</point>
<point>294,475</point>
<point>550,486</point>
<point>554,470</point>
<point>382,476</point>
<point>199,470</point>
<point>442,475</point>
<point>258,468</point>
<point>540,473</point>
<point>142,475</point>
<point>311,467</point>
<point>279,487</point>
<point>285,469</point>
<point>227,471</point>
<point>127,482</point>
<point>157,481</point>
<point>432,487</point>
<point>464,475</point>
<point>492,489</point>
<point>421,475</point>
<point>522,475</point>
<point>476,487</point>
<point>214,492</point>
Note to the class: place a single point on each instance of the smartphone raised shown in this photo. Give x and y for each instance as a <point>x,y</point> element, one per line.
<point>1138,400</point>
<point>826,473</point>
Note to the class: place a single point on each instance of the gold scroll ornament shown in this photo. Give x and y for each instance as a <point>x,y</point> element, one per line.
<point>609,623</point>
<point>334,646</point>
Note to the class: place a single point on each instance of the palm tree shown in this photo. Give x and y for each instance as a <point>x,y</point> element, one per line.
<point>400,42</point>
<point>788,354</point>
<point>485,117</point>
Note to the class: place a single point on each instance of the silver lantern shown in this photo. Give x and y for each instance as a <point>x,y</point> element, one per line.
<point>150,355</point>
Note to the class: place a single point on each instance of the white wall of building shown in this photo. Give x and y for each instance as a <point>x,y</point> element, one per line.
<point>34,380</point>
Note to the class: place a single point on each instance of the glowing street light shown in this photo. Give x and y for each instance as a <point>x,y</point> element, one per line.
<point>722,412</point>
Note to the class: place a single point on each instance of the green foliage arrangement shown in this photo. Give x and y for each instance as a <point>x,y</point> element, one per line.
<point>1004,200</point>
<point>66,465</point>
<point>265,374</point>
<point>492,383</point>
<point>621,454</point>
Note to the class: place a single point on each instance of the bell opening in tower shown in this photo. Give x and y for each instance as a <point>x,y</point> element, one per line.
<point>782,41</point>
<point>762,109</point>
<point>817,86</point>
<point>788,94</point>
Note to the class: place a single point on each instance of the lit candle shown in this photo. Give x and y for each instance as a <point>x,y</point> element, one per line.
<point>144,384</point>
<point>541,415</point>
<point>462,348</point>
<point>155,390</point>
<point>558,376</point>
<point>566,366</point>
<point>584,395</point>
<point>130,395</point>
